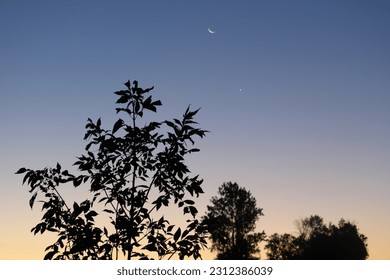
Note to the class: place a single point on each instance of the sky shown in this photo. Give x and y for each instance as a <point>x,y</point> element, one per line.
<point>295,94</point>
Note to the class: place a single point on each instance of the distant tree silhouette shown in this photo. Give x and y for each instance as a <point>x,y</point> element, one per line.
<point>133,172</point>
<point>231,220</point>
<point>317,241</point>
<point>282,247</point>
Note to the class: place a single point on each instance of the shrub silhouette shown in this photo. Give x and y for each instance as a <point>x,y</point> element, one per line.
<point>133,172</point>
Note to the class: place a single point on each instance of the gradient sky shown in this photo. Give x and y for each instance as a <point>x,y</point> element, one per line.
<point>296,95</point>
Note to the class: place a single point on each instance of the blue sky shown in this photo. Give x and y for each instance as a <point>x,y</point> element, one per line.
<point>308,133</point>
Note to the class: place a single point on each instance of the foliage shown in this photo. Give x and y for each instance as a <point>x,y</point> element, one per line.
<point>317,241</point>
<point>282,247</point>
<point>231,220</point>
<point>133,173</point>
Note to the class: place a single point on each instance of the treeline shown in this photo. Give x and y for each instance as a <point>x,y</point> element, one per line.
<point>231,221</point>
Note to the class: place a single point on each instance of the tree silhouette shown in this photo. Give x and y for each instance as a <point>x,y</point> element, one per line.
<point>231,220</point>
<point>317,241</point>
<point>133,172</point>
<point>282,247</point>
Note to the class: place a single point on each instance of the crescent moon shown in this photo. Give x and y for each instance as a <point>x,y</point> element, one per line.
<point>210,31</point>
